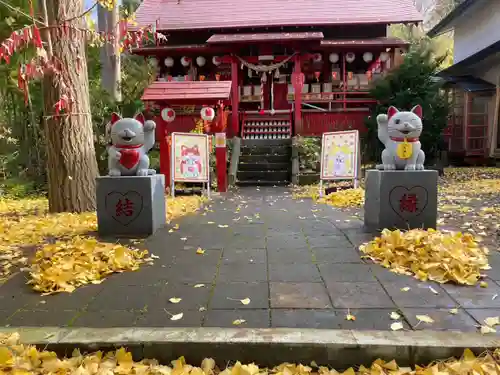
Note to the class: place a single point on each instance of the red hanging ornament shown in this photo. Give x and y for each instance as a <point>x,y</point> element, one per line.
<point>37,39</point>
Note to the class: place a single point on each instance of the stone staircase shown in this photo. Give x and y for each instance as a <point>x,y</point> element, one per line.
<point>265,162</point>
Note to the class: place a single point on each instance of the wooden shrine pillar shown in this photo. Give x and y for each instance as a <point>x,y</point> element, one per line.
<point>235,99</point>
<point>298,83</point>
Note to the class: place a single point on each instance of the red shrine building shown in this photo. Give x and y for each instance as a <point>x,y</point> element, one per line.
<point>277,68</point>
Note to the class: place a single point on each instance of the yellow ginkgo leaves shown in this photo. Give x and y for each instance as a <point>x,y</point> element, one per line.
<point>16,358</point>
<point>429,255</point>
<point>71,261</point>
<point>345,198</point>
<point>64,266</point>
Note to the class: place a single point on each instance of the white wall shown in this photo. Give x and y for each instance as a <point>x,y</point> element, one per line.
<point>476,30</point>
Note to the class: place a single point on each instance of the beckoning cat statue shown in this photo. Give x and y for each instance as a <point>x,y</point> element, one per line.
<point>400,132</point>
<point>131,139</point>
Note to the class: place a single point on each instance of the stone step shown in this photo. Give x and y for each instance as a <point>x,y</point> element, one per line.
<point>264,166</point>
<point>263,175</point>
<point>262,183</point>
<point>262,150</point>
<point>265,158</point>
<point>266,142</point>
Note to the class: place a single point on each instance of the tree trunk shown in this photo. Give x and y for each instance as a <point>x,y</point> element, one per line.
<point>102,25</point>
<point>71,159</point>
<point>114,54</point>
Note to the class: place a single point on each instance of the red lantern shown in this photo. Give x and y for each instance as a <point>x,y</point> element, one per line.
<point>369,75</point>
<point>335,75</point>
<point>168,114</point>
<point>217,77</point>
<point>317,75</point>
<point>349,75</point>
<point>207,114</point>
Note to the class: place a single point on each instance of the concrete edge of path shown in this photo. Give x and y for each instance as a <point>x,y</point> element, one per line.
<point>267,347</point>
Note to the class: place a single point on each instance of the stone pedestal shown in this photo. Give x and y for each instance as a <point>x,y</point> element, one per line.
<point>400,199</point>
<point>130,206</point>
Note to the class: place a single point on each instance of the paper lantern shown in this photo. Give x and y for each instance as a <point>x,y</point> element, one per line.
<point>350,57</point>
<point>185,61</point>
<point>169,62</point>
<point>207,114</point>
<point>334,57</point>
<point>200,61</point>
<point>317,75</point>
<point>367,56</point>
<point>168,114</point>
<point>350,75</point>
<point>216,60</point>
<point>317,57</point>
<point>384,56</point>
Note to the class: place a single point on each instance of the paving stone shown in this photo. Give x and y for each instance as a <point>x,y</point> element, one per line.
<point>355,295</point>
<point>494,262</point>
<point>190,257</point>
<point>198,272</point>
<point>443,320</point>
<point>346,272</point>
<point>105,319</point>
<point>283,256</point>
<point>228,296</point>
<point>328,241</point>
<point>384,274</point>
<point>15,294</point>
<point>126,298</point>
<point>41,318</point>
<point>78,300</point>
<point>191,298</point>
<point>249,230</point>
<point>296,241</point>
<point>294,272</point>
<point>299,296</point>
<point>246,243</point>
<point>475,297</point>
<point>336,255</point>
<point>162,318</point>
<point>244,256</point>
<point>420,294</point>
<point>324,319</point>
<point>225,318</point>
<point>144,276</point>
<point>349,224</point>
<point>368,319</point>
<point>4,315</point>
<point>243,272</point>
<point>481,314</point>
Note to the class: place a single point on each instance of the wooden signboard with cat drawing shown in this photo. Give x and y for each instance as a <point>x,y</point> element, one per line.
<point>190,159</point>
<point>340,157</point>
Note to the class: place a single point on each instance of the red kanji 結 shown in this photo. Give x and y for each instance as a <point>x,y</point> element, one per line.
<point>408,202</point>
<point>124,207</point>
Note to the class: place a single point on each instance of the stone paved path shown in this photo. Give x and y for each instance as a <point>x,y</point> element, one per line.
<point>296,261</point>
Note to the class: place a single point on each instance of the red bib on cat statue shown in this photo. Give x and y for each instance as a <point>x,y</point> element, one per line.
<point>129,158</point>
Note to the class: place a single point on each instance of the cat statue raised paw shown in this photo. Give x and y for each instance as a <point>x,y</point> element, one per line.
<point>400,132</point>
<point>131,139</point>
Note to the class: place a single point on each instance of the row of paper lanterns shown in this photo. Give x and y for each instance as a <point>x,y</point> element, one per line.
<point>350,57</point>
<point>317,57</point>
<point>186,61</point>
<point>206,113</point>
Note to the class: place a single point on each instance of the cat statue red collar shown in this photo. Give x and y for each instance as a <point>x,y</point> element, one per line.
<point>131,139</point>
<point>400,132</point>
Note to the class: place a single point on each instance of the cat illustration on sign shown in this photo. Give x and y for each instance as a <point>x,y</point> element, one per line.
<point>340,163</point>
<point>131,139</point>
<point>191,165</point>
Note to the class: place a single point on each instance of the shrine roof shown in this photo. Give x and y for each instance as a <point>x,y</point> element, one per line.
<point>264,37</point>
<point>226,14</point>
<point>195,91</point>
<point>374,42</point>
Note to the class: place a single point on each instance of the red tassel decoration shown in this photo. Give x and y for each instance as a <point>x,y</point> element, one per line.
<point>37,39</point>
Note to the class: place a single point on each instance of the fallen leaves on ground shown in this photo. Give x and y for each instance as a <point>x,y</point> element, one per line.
<point>78,260</point>
<point>429,255</point>
<point>16,358</point>
<point>458,174</point>
<point>66,265</point>
<point>343,198</point>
